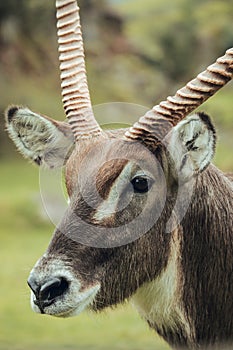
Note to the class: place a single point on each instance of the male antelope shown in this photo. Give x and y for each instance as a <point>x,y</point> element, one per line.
<point>149,218</point>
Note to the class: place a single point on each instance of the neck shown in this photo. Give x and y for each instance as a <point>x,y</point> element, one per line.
<point>160,302</point>
<point>189,303</point>
<point>207,258</point>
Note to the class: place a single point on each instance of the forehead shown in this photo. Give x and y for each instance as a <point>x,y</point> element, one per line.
<point>104,160</point>
<point>101,197</point>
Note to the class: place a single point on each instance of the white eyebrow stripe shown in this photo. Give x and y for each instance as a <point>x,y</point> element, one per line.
<point>109,206</point>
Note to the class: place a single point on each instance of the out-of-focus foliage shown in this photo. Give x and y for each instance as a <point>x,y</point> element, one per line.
<point>181,35</point>
<point>137,51</point>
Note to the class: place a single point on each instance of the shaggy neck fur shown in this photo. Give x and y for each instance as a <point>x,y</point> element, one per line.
<point>160,302</point>
<point>194,290</point>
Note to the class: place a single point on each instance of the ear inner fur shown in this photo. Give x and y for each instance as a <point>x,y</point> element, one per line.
<point>39,138</point>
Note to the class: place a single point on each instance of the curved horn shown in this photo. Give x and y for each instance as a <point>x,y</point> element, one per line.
<point>157,122</point>
<point>76,97</point>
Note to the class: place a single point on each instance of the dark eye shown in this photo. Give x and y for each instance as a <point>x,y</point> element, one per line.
<point>141,184</point>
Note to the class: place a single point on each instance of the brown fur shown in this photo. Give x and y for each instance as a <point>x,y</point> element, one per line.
<point>206,256</point>
<point>189,270</point>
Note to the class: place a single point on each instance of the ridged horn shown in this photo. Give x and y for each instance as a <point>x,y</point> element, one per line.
<point>157,122</point>
<point>75,92</point>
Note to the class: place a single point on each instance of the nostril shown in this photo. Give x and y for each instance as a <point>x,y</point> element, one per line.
<point>35,287</point>
<point>53,288</point>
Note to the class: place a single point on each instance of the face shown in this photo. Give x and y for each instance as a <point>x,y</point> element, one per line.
<point>101,252</point>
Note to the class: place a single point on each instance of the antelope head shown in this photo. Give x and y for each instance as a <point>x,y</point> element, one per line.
<point>122,185</point>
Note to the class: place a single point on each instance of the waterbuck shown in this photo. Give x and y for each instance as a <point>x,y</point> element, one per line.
<point>149,219</point>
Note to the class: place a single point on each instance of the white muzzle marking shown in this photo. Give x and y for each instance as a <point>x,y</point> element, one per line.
<point>73,301</point>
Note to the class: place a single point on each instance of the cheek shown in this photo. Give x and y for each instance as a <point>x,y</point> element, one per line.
<point>90,263</point>
<point>71,175</point>
<point>69,184</point>
<point>142,211</point>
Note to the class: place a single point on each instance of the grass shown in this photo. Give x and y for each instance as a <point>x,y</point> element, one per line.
<point>24,237</point>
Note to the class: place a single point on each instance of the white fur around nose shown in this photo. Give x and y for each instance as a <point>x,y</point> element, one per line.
<point>75,300</point>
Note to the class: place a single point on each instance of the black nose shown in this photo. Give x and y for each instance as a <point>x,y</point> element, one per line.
<point>48,292</point>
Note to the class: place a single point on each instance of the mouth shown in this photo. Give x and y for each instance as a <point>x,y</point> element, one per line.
<point>71,304</point>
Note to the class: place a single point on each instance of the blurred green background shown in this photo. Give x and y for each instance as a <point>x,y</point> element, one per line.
<point>138,51</point>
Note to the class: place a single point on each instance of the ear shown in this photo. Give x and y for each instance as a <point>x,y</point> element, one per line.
<point>191,145</point>
<point>39,138</point>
